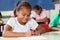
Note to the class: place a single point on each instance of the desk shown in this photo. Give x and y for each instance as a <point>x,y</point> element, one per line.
<point>52,35</point>
<point>25,38</point>
<point>46,36</point>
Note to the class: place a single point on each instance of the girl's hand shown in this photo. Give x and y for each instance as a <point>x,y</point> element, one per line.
<point>35,33</point>
<point>28,33</point>
<point>38,19</point>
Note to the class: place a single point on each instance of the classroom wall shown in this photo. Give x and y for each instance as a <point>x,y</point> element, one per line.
<point>49,13</point>
<point>52,12</point>
<point>6,13</point>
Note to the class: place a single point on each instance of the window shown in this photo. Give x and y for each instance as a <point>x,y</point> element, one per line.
<point>56,1</point>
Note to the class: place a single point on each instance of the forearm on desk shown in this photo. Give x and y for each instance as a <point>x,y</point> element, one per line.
<point>55,28</point>
<point>12,34</point>
<point>39,30</point>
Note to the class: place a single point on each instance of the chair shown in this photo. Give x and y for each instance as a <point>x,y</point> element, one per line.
<point>48,20</point>
<point>46,27</point>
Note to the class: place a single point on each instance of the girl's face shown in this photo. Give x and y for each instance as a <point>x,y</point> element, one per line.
<point>23,14</point>
<point>38,11</point>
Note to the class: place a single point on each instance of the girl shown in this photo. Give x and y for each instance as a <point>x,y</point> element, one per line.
<point>21,25</point>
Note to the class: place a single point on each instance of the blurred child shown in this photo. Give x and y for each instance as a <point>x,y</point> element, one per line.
<point>38,14</point>
<point>55,22</point>
<point>1,23</point>
<point>21,25</point>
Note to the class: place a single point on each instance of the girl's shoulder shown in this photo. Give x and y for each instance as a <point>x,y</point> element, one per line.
<point>31,21</point>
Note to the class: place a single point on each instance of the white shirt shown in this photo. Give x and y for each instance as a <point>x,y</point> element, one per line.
<point>41,16</point>
<point>17,27</point>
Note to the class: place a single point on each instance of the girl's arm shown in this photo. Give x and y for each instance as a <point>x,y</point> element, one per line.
<point>42,20</point>
<point>8,33</point>
<point>39,30</point>
<point>55,28</point>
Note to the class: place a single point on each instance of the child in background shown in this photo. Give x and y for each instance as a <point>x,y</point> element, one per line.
<point>55,22</point>
<point>1,24</point>
<point>21,25</point>
<point>38,14</point>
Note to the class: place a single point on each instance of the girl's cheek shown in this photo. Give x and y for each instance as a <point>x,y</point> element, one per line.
<point>21,17</point>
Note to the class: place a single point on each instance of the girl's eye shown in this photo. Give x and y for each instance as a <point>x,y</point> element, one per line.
<point>28,15</point>
<point>23,14</point>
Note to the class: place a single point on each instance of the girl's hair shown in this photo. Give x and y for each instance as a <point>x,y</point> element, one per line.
<point>37,7</point>
<point>21,4</point>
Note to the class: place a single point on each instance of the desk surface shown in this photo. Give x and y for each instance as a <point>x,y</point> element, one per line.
<point>52,35</point>
<point>46,36</point>
<point>25,38</point>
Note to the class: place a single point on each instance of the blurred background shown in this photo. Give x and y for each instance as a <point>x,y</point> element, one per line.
<point>49,6</point>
